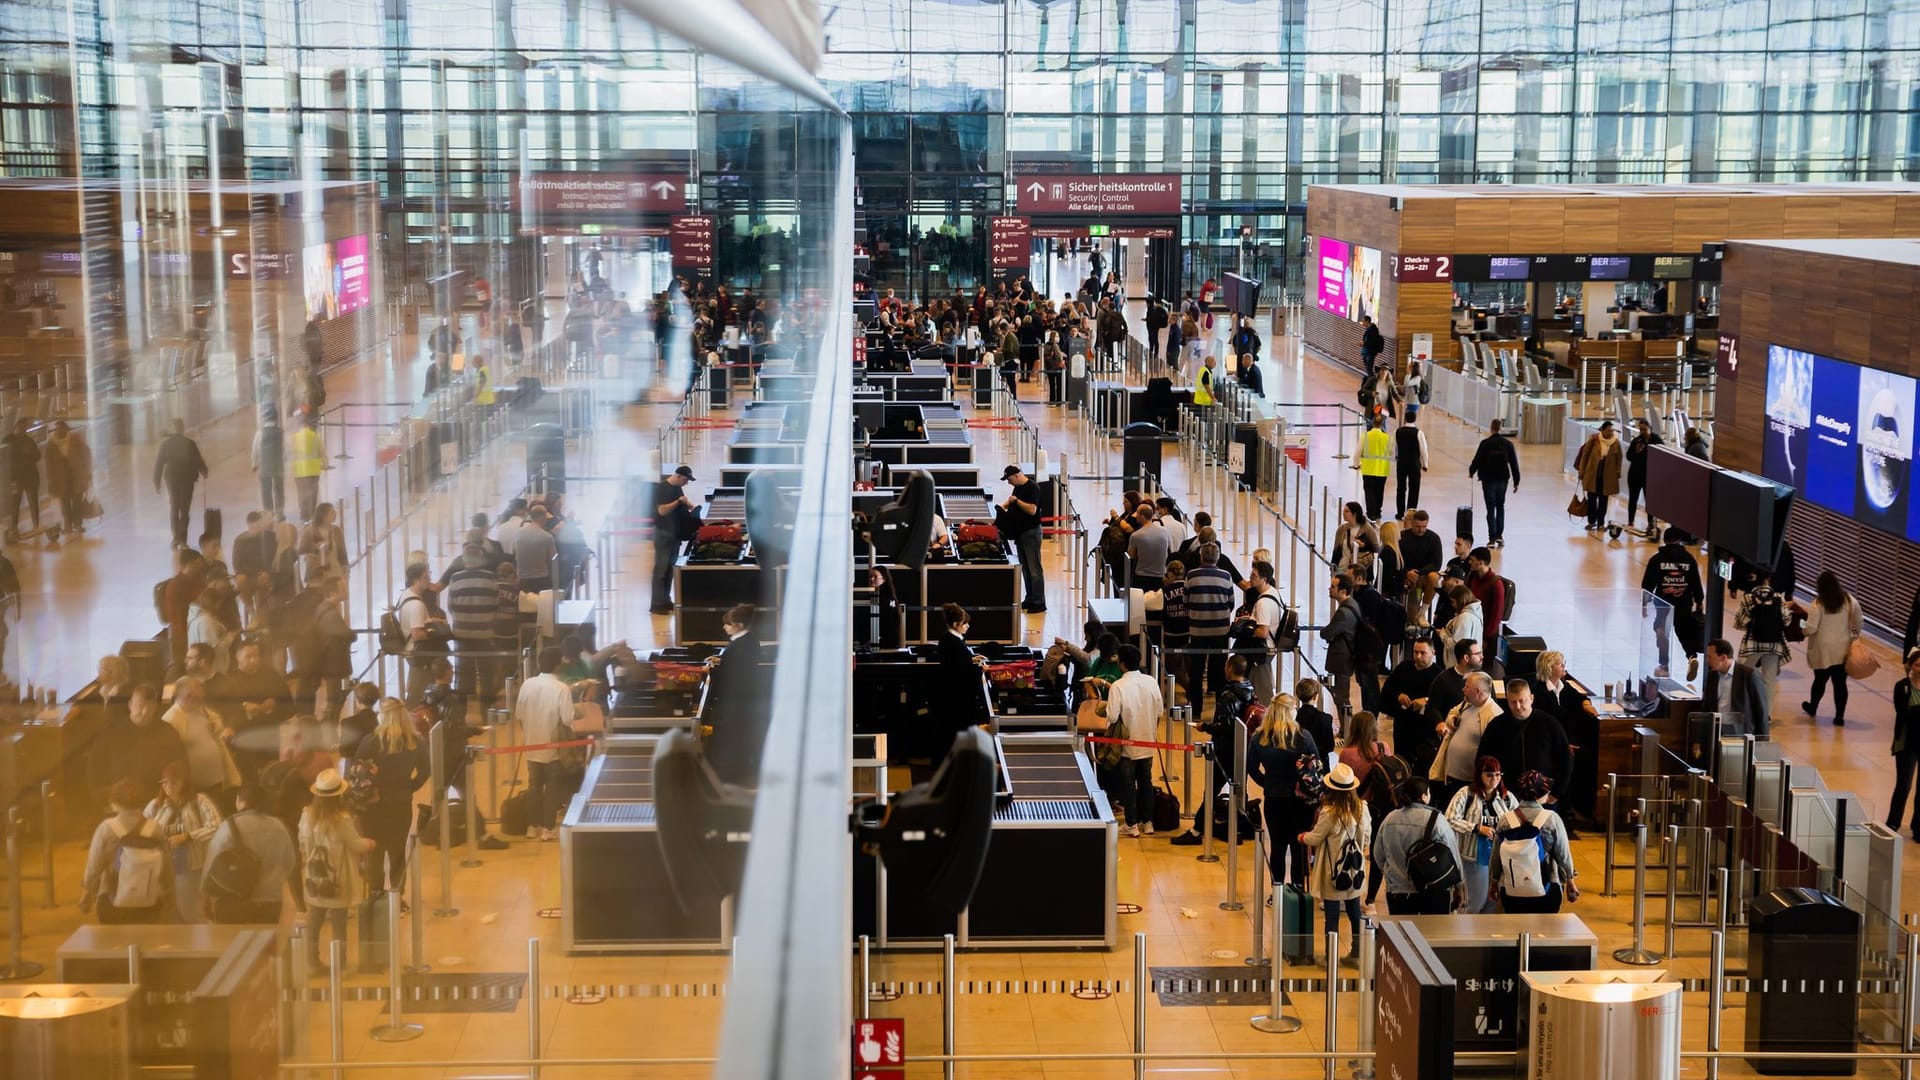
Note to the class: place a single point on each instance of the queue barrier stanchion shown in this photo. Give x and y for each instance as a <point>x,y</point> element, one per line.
<point>1234,803</point>
<point>472,857</point>
<point>1716,996</point>
<point>865,1007</point>
<point>1142,986</point>
<point>1673,885</point>
<point>1333,996</point>
<point>1637,954</point>
<point>947,994</point>
<point>17,967</point>
<point>1275,1020</point>
<point>336,1004</point>
<point>396,1029</point>
<point>419,928</point>
<point>1206,827</point>
<point>1362,1066</point>
<point>438,767</point>
<point>532,996</point>
<point>1262,895</point>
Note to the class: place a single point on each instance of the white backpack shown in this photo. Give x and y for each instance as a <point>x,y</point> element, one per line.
<point>140,867</point>
<point>1523,856</point>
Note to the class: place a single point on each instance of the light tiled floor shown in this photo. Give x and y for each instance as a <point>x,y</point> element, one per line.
<point>1555,564</point>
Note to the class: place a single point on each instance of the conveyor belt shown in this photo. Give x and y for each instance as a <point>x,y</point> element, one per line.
<point>1046,810</point>
<point>966,508</point>
<point>942,435</point>
<point>727,508</point>
<point>1051,771</point>
<point>623,778</point>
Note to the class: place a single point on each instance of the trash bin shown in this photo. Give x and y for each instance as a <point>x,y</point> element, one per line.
<point>1596,1025</point>
<point>1803,972</point>
<point>1140,448</point>
<point>1542,420</point>
<point>547,458</point>
<point>54,1030</point>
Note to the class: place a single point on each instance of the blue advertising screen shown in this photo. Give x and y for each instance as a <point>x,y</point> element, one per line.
<point>1843,435</point>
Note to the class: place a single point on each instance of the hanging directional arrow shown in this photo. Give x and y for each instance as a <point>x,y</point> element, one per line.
<point>1034,189</point>
<point>664,189</point>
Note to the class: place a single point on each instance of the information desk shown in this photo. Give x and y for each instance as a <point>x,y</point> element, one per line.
<point>614,892</point>
<point>1482,953</point>
<point>1049,879</point>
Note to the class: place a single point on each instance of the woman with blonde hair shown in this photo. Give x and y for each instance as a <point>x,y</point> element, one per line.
<point>1340,839</point>
<point>396,759</point>
<point>1277,755</point>
<point>330,850</point>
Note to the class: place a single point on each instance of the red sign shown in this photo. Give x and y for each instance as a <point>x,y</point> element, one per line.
<point>1726,358</point>
<point>1012,242</point>
<point>690,238</point>
<point>1423,268</point>
<point>859,348</point>
<point>600,194</point>
<point>879,1074</point>
<point>1075,193</point>
<point>879,1044</point>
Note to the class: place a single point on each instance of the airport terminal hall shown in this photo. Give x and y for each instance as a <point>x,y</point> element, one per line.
<point>959,539</point>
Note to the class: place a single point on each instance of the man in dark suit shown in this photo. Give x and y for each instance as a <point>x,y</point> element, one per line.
<point>739,701</point>
<point>1735,691</point>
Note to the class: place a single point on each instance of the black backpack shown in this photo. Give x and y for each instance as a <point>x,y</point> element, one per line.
<point>1767,622</point>
<point>1431,865</point>
<point>235,872</point>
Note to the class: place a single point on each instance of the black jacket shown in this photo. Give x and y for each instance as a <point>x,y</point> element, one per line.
<point>1372,343</point>
<point>1748,702</point>
<point>1906,720</point>
<point>1537,743</point>
<point>125,748</point>
<point>961,703</point>
<point>1673,576</point>
<point>1494,461</point>
<point>178,464</point>
<point>1422,552</point>
<point>739,706</point>
<point>1277,768</point>
<point>1637,457</point>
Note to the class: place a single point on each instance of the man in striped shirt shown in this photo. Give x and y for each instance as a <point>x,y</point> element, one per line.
<point>1210,603</point>
<point>473,604</point>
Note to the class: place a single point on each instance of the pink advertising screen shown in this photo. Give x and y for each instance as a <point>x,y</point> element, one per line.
<point>1333,296</point>
<point>352,288</point>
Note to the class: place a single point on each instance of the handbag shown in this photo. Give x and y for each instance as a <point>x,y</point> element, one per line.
<point>1438,770</point>
<point>1091,716</point>
<point>1577,505</point>
<point>1860,663</point>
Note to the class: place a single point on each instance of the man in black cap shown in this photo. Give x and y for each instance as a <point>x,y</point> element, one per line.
<point>671,508</point>
<point>1020,522</point>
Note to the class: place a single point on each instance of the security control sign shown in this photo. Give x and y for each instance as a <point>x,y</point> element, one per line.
<point>690,238</point>
<point>1012,242</point>
<point>599,195</point>
<point>1079,193</point>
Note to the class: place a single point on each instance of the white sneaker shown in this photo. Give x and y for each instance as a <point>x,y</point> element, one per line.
<point>1130,830</point>
<point>1146,830</point>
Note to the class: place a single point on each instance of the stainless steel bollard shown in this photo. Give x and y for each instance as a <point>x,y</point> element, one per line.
<point>1363,1066</point>
<point>1206,826</point>
<point>1234,802</point>
<point>419,927</point>
<point>1638,954</point>
<point>1716,996</point>
<point>947,994</point>
<point>1275,1020</point>
<point>438,767</point>
<point>866,978</point>
<point>336,1004</point>
<point>1333,998</point>
<point>472,800</point>
<point>1141,988</point>
<point>396,1029</point>
<point>533,1006</point>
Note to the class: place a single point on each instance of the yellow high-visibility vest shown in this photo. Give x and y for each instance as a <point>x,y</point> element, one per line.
<point>1376,453</point>
<point>309,453</point>
<point>1203,387</point>
<point>483,393</point>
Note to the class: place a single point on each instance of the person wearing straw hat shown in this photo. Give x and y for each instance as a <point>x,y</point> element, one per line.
<point>1338,840</point>
<point>330,850</point>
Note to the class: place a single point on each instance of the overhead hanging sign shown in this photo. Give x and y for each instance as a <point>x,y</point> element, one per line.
<point>1011,243</point>
<point>1070,193</point>
<point>1414,268</point>
<point>599,195</point>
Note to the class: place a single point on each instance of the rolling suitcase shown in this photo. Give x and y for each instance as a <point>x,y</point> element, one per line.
<point>1296,924</point>
<point>210,522</point>
<point>374,934</point>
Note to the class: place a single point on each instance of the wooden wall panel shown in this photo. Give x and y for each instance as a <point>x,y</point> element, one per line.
<point>1595,222</point>
<point>1811,216</point>
<point>1646,224</point>
<point>1426,226</point>
<point>1866,216</point>
<point>1488,222</point>
<point>1541,224</point>
<point>1850,309</point>
<point>1757,217</point>
<point>1699,221</point>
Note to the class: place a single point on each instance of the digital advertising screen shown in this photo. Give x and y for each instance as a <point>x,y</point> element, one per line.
<point>1783,459</point>
<point>316,279</point>
<point>352,289</point>
<point>1608,268</point>
<point>1333,296</point>
<point>1832,448</point>
<point>1672,267</point>
<point>1884,433</point>
<point>1508,268</point>
<point>1363,283</point>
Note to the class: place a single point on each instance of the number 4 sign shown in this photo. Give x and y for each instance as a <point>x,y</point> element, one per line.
<point>879,1045</point>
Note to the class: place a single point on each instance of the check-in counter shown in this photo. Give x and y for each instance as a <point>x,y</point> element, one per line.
<point>1482,953</point>
<point>1049,880</point>
<point>924,380</point>
<point>615,896</point>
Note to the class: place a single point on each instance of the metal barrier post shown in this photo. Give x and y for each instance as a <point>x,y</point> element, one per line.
<point>1275,1020</point>
<point>1606,865</point>
<point>533,1006</point>
<point>16,968</point>
<point>946,1005</point>
<point>1140,991</point>
<point>1186,773</point>
<point>1333,996</point>
<point>437,763</point>
<point>472,800</point>
<point>1262,889</point>
<point>395,1029</point>
<point>1234,803</point>
<point>336,1005</point>
<point>1716,994</point>
<point>1673,884</point>
<point>866,978</point>
<point>1206,825</point>
<point>419,929</point>
<point>46,838</point>
<point>1637,954</point>
<point>1909,991</point>
<point>1362,1066</point>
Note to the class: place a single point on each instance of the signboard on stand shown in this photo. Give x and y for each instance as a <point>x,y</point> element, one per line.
<point>1414,1003</point>
<point>690,239</point>
<point>1080,193</point>
<point>1422,347</point>
<point>1011,242</point>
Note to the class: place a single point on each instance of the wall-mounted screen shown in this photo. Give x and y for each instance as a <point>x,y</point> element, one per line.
<point>1363,283</point>
<point>1843,436</point>
<point>351,286</point>
<point>1672,267</point>
<point>1608,268</point>
<point>1508,268</point>
<point>1332,296</point>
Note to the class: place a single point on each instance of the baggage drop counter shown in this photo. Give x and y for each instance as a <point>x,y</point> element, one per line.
<point>1482,954</point>
<point>614,893</point>
<point>1049,880</point>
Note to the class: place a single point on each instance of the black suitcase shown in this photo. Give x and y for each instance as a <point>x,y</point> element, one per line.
<point>1463,521</point>
<point>210,522</point>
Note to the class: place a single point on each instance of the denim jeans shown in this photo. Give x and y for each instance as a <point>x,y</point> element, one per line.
<point>1496,495</point>
<point>1032,574</point>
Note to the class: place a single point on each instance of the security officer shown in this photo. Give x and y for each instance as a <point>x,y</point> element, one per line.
<point>1203,383</point>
